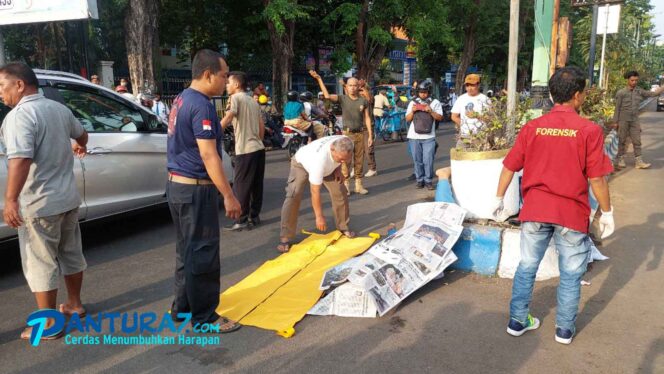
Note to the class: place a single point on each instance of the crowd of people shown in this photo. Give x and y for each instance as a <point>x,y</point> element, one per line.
<point>42,199</point>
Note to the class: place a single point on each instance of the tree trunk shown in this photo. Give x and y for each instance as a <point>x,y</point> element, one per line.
<point>469,47</point>
<point>282,61</point>
<point>367,60</point>
<point>141,38</point>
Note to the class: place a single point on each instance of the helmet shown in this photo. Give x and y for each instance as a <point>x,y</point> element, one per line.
<point>306,96</point>
<point>262,99</point>
<point>292,95</point>
<point>424,86</point>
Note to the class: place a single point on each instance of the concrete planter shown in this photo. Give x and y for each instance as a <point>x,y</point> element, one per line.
<point>475,180</point>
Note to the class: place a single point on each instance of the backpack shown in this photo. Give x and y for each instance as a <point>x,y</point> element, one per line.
<point>422,121</point>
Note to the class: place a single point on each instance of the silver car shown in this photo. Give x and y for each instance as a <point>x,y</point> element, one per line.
<point>125,168</point>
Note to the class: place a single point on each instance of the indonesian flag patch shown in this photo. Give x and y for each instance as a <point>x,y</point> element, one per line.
<point>207,125</point>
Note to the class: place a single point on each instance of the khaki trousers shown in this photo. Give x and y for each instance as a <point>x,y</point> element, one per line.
<point>632,130</point>
<point>297,181</point>
<point>358,154</point>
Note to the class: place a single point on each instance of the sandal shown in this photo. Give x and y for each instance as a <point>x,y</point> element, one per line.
<point>349,234</point>
<point>27,332</point>
<point>232,326</point>
<point>283,247</point>
<point>62,309</point>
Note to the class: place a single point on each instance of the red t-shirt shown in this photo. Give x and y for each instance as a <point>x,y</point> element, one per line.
<point>558,152</point>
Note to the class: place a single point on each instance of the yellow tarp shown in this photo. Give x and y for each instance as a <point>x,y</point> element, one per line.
<point>280,292</point>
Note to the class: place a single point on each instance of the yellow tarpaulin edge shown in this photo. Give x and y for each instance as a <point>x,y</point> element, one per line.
<point>281,291</point>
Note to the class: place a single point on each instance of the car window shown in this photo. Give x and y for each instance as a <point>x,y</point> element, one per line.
<point>4,109</point>
<point>99,113</point>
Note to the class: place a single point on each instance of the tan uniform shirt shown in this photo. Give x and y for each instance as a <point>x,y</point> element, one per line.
<point>380,104</point>
<point>246,124</point>
<point>627,103</point>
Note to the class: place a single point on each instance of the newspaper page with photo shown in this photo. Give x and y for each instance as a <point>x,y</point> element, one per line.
<point>398,265</point>
<point>346,300</point>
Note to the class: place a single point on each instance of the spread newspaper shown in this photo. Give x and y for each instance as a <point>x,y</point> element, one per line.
<point>395,267</point>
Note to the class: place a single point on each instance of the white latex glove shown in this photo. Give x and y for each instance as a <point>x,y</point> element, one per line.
<point>606,224</point>
<point>498,209</point>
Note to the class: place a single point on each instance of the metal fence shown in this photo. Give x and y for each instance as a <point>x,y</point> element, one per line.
<point>219,103</point>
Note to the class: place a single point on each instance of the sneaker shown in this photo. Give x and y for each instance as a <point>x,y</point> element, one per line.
<point>429,186</point>
<point>254,221</point>
<point>236,226</point>
<point>620,164</point>
<point>516,328</point>
<point>640,164</point>
<point>564,336</point>
<point>419,185</point>
<point>371,173</point>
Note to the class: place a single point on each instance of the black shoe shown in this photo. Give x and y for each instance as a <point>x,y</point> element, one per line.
<point>236,226</point>
<point>430,186</point>
<point>254,221</point>
<point>175,318</point>
<point>419,185</point>
<point>411,177</point>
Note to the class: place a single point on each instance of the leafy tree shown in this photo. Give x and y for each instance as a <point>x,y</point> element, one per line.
<point>281,17</point>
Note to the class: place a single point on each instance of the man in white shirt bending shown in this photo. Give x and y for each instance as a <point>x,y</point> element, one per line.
<point>318,162</point>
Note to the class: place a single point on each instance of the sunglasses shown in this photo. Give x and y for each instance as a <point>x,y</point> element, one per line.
<point>471,84</point>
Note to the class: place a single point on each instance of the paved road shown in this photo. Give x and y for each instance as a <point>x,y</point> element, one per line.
<point>452,325</point>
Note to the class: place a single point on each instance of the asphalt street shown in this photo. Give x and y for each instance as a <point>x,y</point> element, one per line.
<point>454,325</point>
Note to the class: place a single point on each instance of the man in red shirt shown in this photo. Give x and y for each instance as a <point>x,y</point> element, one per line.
<point>558,152</point>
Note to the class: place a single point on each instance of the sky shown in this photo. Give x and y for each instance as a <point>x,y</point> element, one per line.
<point>658,12</point>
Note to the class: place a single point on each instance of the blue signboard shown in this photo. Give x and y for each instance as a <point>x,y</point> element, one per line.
<point>397,55</point>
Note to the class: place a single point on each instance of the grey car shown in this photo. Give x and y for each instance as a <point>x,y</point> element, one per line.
<point>125,168</point>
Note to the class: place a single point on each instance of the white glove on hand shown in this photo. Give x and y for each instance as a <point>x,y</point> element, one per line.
<point>498,209</point>
<point>606,224</point>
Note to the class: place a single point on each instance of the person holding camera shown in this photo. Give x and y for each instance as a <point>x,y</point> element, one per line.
<point>422,113</point>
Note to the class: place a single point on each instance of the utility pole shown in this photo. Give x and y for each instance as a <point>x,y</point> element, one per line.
<point>540,78</point>
<point>513,55</point>
<point>593,43</point>
<point>2,49</point>
<point>601,64</point>
<point>554,37</point>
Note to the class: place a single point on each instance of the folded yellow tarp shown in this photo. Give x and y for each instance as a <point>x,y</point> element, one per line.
<point>280,292</point>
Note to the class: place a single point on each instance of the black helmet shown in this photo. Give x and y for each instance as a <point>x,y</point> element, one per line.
<point>292,95</point>
<point>306,96</point>
<point>424,86</point>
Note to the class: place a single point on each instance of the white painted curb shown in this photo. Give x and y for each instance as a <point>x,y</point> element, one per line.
<point>510,255</point>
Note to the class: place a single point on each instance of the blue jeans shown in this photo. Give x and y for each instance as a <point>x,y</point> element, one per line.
<point>572,260</point>
<point>423,152</point>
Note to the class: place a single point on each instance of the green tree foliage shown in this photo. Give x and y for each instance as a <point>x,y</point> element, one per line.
<point>632,48</point>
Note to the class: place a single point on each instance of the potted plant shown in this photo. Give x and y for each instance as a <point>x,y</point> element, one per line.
<point>476,167</point>
<point>599,108</point>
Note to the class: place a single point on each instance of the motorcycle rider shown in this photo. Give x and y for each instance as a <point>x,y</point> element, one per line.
<point>295,115</point>
<point>313,113</point>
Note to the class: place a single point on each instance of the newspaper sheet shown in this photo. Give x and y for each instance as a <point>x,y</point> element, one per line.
<point>449,213</point>
<point>398,265</point>
<point>338,274</point>
<point>346,300</point>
